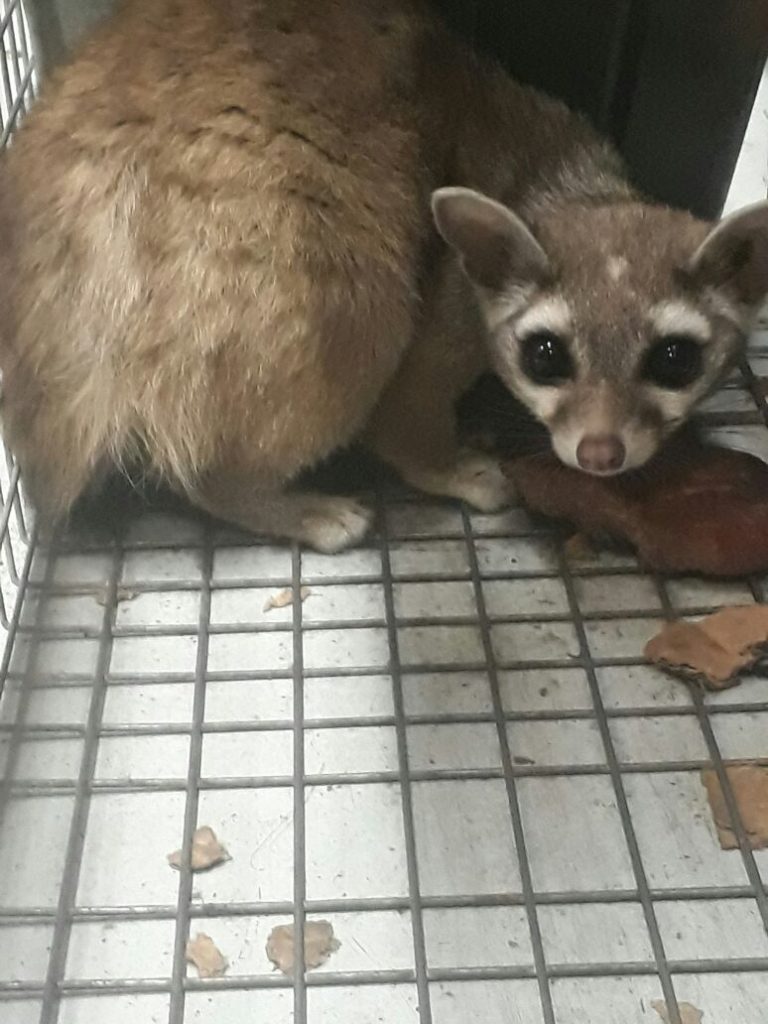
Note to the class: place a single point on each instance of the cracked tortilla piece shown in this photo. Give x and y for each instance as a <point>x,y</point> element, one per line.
<point>206,851</point>
<point>689,1014</point>
<point>715,650</point>
<point>749,783</point>
<point>284,598</point>
<point>319,944</point>
<point>208,960</point>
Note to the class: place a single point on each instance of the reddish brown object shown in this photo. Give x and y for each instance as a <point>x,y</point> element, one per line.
<point>695,508</point>
<point>749,783</point>
<point>715,650</point>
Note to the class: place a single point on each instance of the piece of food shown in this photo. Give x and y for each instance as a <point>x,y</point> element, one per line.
<point>205,853</point>
<point>688,1012</point>
<point>694,508</point>
<point>715,650</point>
<point>208,960</point>
<point>284,598</point>
<point>749,783</point>
<point>319,943</point>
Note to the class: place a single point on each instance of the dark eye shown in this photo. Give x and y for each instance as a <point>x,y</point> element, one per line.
<point>545,358</point>
<point>674,362</point>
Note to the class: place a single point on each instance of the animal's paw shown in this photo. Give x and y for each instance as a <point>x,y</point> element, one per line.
<point>333,524</point>
<point>476,479</point>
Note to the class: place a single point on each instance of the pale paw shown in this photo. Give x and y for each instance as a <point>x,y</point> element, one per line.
<point>333,524</point>
<point>479,480</point>
<point>476,479</point>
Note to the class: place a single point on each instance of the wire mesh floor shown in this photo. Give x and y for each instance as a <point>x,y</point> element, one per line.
<point>451,749</point>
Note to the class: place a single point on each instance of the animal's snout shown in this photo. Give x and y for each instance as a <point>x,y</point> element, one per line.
<point>601,453</point>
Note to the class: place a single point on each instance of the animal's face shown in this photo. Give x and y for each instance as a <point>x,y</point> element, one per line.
<point>610,322</point>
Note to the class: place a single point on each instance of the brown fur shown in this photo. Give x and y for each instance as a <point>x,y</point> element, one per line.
<point>221,259</point>
<point>207,266</point>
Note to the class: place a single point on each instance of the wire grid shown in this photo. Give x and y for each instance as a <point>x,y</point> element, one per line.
<point>435,612</point>
<point>457,703</point>
<point>18,86</point>
<point>18,71</point>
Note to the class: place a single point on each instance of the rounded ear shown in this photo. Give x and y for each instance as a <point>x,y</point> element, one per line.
<point>496,248</point>
<point>734,255</point>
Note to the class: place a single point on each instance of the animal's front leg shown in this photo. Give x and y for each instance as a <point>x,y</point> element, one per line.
<point>414,426</point>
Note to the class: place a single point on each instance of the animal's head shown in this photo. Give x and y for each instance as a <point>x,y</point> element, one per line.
<point>609,322</point>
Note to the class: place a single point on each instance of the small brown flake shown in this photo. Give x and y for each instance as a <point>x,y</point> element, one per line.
<point>206,851</point>
<point>284,598</point>
<point>715,650</point>
<point>208,960</point>
<point>121,594</point>
<point>688,1012</point>
<point>749,783</point>
<point>319,944</point>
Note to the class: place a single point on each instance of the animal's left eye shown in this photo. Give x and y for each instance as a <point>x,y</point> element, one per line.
<point>673,362</point>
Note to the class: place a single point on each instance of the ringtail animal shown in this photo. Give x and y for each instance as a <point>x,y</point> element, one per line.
<point>224,254</point>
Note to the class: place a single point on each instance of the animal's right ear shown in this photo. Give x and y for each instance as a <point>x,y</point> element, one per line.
<point>497,250</point>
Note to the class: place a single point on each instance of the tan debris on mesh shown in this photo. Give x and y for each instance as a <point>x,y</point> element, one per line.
<point>319,944</point>
<point>205,853</point>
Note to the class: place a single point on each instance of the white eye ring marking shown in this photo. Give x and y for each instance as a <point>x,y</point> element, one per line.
<point>677,317</point>
<point>550,314</point>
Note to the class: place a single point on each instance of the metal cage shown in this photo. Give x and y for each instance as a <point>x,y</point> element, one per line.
<point>452,750</point>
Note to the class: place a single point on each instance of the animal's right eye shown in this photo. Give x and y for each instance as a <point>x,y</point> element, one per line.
<point>545,358</point>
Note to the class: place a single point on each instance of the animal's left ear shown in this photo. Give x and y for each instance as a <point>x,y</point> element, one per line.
<point>734,256</point>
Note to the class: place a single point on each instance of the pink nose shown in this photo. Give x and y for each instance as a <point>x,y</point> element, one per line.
<point>601,453</point>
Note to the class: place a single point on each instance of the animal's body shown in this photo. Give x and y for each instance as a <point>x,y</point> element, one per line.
<point>219,258</point>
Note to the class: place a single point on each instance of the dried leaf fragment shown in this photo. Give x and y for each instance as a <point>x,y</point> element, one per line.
<point>121,594</point>
<point>319,943</point>
<point>285,597</point>
<point>688,1012</point>
<point>716,649</point>
<point>206,851</point>
<point>208,960</point>
<point>749,783</point>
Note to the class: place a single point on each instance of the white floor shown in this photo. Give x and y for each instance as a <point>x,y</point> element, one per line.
<point>452,750</point>
<point>451,747</point>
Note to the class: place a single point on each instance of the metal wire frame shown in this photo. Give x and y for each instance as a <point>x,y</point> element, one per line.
<point>67,912</point>
<point>18,71</point>
<point>18,86</point>
<point>17,83</point>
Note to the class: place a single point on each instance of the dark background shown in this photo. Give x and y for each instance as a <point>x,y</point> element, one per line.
<point>671,81</point>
